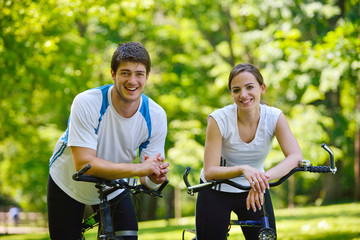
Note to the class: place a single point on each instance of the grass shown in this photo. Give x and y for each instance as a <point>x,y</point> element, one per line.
<point>340,221</point>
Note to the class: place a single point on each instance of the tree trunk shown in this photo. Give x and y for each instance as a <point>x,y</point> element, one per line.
<point>357,166</point>
<point>151,212</point>
<point>332,183</point>
<point>177,202</point>
<point>357,146</point>
<point>170,202</point>
<point>146,205</point>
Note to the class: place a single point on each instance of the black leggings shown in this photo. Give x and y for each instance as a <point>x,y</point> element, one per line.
<point>213,209</point>
<point>65,214</point>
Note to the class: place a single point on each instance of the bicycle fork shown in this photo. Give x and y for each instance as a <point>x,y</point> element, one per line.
<point>107,231</point>
<point>266,232</point>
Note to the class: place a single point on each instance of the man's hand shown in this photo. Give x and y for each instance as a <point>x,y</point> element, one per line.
<point>160,168</point>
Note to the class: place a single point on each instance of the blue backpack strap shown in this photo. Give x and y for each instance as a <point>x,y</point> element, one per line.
<point>105,103</point>
<point>144,110</point>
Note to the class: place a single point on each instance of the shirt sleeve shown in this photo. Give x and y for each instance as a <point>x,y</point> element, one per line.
<point>221,119</point>
<point>83,122</point>
<point>273,114</point>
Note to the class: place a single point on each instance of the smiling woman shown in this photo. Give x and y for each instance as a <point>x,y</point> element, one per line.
<point>238,140</point>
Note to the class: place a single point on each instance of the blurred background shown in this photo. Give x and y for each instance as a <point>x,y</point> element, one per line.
<point>307,50</point>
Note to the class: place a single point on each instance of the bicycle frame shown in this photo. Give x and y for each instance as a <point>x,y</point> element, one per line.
<point>265,230</point>
<point>106,187</point>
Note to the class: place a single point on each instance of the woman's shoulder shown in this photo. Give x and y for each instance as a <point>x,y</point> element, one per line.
<point>270,110</point>
<point>224,110</point>
<point>224,116</point>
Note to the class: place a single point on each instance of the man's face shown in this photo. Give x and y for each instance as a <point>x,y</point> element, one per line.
<point>129,80</point>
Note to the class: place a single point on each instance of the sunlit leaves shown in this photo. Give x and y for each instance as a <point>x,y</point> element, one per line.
<point>307,51</point>
<point>311,94</point>
<point>186,151</point>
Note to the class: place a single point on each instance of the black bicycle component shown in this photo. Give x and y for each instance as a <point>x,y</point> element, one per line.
<point>302,167</point>
<point>266,232</point>
<point>106,187</point>
<point>81,172</point>
<point>113,185</point>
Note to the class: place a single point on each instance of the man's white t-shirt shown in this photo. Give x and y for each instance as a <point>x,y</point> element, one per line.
<point>95,124</point>
<point>236,152</point>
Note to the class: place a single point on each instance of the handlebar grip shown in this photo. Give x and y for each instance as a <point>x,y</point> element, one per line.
<point>185,176</point>
<point>333,168</point>
<point>163,186</point>
<point>319,169</point>
<point>86,178</point>
<point>81,171</point>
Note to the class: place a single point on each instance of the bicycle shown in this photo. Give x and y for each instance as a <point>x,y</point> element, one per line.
<point>266,232</point>
<point>106,187</point>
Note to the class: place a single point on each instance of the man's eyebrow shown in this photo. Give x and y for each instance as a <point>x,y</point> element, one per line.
<point>128,70</point>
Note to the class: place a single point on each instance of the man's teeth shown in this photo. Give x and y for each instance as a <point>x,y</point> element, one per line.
<point>131,89</point>
<point>246,101</point>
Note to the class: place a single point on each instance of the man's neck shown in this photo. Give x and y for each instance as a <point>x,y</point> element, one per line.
<point>122,107</point>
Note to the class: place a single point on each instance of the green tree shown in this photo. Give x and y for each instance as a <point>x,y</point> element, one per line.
<point>308,52</point>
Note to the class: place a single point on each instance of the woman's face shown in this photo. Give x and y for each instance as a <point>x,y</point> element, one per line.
<point>246,91</point>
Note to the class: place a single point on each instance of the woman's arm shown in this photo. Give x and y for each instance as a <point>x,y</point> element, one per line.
<point>292,152</point>
<point>212,155</point>
<point>289,147</point>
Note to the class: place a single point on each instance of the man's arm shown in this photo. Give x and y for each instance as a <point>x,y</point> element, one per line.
<point>153,181</point>
<point>108,170</point>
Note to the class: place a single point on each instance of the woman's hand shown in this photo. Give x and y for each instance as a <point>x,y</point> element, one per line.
<point>255,200</point>
<point>257,179</point>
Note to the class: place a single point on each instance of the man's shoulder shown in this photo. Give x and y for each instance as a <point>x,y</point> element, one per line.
<point>93,94</point>
<point>154,106</point>
<point>91,100</point>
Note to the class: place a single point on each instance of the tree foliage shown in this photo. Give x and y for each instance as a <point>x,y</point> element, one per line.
<point>308,52</point>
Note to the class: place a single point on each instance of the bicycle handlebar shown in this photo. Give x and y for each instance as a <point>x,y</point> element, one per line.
<point>113,185</point>
<point>304,165</point>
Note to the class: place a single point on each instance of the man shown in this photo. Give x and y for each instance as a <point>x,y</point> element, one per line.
<point>107,127</point>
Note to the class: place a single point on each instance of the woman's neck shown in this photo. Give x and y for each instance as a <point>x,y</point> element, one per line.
<point>248,118</point>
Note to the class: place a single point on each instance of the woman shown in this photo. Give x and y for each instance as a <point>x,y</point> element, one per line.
<point>238,140</point>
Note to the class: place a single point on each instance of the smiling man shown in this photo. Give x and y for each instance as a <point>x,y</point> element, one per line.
<point>108,127</point>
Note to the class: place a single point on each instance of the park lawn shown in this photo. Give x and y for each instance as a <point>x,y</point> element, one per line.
<point>340,221</point>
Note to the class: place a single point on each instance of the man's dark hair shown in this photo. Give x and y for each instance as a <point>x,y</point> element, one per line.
<point>130,52</point>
